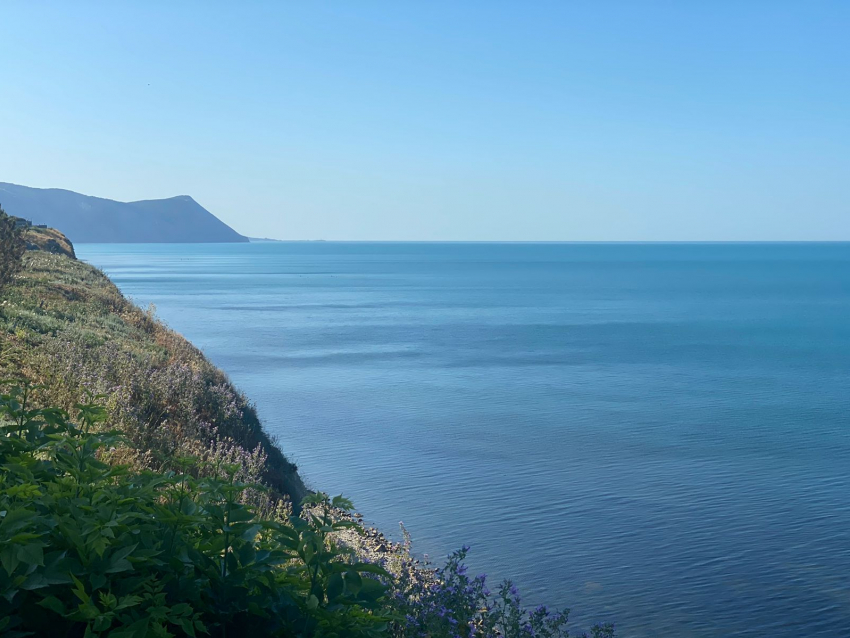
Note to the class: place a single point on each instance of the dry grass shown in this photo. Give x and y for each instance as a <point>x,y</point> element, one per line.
<point>66,326</point>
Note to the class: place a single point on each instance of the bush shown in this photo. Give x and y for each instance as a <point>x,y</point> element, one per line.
<point>451,604</point>
<point>68,328</point>
<point>89,549</point>
<point>12,247</point>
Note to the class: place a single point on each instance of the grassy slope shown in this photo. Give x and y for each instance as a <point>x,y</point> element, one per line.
<point>65,325</point>
<point>48,240</point>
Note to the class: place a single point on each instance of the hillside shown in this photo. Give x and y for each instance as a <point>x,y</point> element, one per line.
<point>91,543</point>
<point>96,220</point>
<point>65,326</point>
<point>48,240</point>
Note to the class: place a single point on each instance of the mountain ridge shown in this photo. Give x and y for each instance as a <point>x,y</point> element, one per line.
<point>91,219</point>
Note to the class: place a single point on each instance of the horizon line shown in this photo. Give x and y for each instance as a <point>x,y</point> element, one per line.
<point>257,240</point>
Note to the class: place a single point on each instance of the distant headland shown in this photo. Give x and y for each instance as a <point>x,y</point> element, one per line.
<point>86,219</point>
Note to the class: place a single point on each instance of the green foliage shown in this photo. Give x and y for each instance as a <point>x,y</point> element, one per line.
<point>89,548</point>
<point>157,531</point>
<point>12,247</point>
<point>48,240</point>
<point>64,325</point>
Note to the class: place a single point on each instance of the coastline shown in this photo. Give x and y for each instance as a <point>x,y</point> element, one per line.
<point>61,307</point>
<point>70,330</point>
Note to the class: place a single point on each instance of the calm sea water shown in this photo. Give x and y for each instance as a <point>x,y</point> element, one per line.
<point>658,435</point>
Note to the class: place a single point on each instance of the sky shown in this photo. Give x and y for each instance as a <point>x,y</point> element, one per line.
<point>462,120</point>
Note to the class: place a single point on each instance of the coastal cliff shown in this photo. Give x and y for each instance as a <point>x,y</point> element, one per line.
<point>221,538</point>
<point>48,240</point>
<point>67,328</point>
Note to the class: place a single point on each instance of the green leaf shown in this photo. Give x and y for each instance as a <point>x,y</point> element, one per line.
<point>128,601</point>
<point>138,629</point>
<point>342,503</point>
<point>102,623</point>
<point>15,519</point>
<point>80,590</point>
<point>239,514</point>
<point>353,582</point>
<point>31,553</point>
<point>372,590</point>
<point>181,609</point>
<point>370,568</point>
<point>251,532</point>
<point>53,604</point>
<point>97,581</point>
<point>9,559</point>
<point>26,536</point>
<point>186,624</point>
<point>314,499</point>
<point>34,581</point>
<point>336,586</point>
<point>123,552</point>
<point>116,567</point>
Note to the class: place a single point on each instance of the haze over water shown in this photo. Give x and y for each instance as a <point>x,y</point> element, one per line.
<point>654,434</point>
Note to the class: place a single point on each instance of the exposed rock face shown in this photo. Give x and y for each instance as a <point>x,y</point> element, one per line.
<point>49,240</point>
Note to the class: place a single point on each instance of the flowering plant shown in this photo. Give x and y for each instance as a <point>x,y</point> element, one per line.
<point>449,603</point>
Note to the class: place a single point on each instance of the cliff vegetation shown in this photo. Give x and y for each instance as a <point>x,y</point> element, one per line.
<point>48,240</point>
<point>140,496</point>
<point>67,329</point>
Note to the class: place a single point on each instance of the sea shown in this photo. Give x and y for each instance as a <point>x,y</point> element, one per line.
<point>656,435</point>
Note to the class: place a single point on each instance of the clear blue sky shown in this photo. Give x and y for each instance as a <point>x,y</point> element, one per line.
<point>492,120</point>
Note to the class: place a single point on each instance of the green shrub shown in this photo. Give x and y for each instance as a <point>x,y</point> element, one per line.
<point>12,247</point>
<point>64,325</point>
<point>88,548</point>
